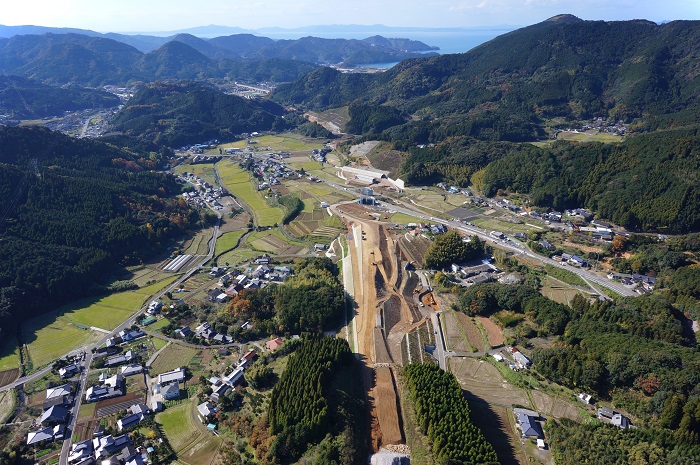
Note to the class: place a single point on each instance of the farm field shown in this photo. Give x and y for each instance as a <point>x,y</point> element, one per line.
<point>201,170</point>
<point>172,357</point>
<point>273,241</point>
<point>557,290</point>
<point>503,226</point>
<point>471,331</point>
<point>320,192</point>
<point>186,436</point>
<point>236,256</point>
<point>236,180</point>
<point>141,275</point>
<point>7,404</point>
<point>52,335</point>
<point>551,406</point>
<point>402,218</point>
<point>9,354</point>
<point>493,332</point>
<point>484,382</point>
<point>455,336</point>
<point>158,324</point>
<point>199,244</point>
<point>494,421</point>
<point>284,142</point>
<point>228,241</point>
<point>158,343</point>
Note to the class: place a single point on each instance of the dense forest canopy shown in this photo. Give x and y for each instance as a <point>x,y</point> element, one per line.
<point>647,182</point>
<point>27,99</point>
<point>76,210</point>
<point>315,402</point>
<point>175,114</point>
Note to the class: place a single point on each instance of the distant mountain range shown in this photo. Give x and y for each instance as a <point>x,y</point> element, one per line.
<point>94,60</point>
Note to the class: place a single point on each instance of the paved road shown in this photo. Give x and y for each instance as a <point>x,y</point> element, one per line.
<point>439,340</point>
<point>517,248</point>
<point>79,394</point>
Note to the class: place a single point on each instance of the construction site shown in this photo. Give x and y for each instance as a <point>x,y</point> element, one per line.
<point>390,303</point>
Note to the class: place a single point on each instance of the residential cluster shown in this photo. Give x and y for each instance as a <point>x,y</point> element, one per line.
<point>53,420</point>
<point>204,194</point>
<point>229,380</point>
<point>108,449</point>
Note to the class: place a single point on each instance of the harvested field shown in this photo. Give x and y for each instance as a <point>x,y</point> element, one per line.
<point>172,357</point>
<point>84,430</point>
<point>7,405</point>
<point>471,330</point>
<point>558,291</point>
<point>455,337</point>
<point>108,407</point>
<point>483,381</point>
<point>550,406</point>
<point>494,333</point>
<point>8,376</point>
<point>387,407</point>
<point>493,421</point>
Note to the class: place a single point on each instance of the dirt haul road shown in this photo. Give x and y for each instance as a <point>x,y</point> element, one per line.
<point>381,308</point>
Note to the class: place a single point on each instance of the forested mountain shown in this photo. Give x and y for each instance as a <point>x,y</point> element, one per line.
<point>503,89</point>
<point>649,182</point>
<point>111,59</point>
<point>75,210</point>
<point>508,90</point>
<point>26,99</point>
<point>176,114</point>
<point>76,58</point>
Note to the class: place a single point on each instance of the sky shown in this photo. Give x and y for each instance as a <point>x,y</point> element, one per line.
<point>171,15</point>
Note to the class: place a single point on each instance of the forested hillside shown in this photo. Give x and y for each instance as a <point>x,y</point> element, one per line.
<point>76,58</point>
<point>27,99</point>
<point>562,67</point>
<point>455,115</point>
<point>649,182</point>
<point>74,211</point>
<point>316,401</point>
<point>176,114</point>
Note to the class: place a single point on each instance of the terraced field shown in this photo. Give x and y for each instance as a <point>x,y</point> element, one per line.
<point>273,241</point>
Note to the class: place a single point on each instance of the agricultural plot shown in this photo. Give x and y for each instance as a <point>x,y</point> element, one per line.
<point>7,404</point>
<point>110,311</point>
<point>8,376</point>
<point>201,170</point>
<point>9,354</point>
<point>273,241</point>
<point>556,407</point>
<point>236,180</point>
<point>228,241</point>
<point>503,226</point>
<point>557,290</point>
<point>484,382</point>
<point>199,244</point>
<point>238,255</point>
<point>52,336</point>
<point>471,331</point>
<point>143,275</point>
<point>455,337</point>
<point>172,357</point>
<point>402,218</point>
<point>493,332</point>
<point>284,142</point>
<point>185,433</point>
